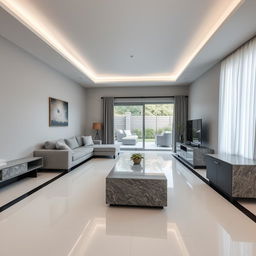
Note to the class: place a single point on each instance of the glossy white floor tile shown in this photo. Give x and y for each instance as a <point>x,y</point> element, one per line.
<point>248,204</point>
<point>201,172</point>
<point>14,190</point>
<point>69,217</point>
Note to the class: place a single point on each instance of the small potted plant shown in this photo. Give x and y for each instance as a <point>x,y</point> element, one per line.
<point>136,158</point>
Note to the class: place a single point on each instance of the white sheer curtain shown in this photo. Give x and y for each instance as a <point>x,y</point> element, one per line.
<point>237,111</point>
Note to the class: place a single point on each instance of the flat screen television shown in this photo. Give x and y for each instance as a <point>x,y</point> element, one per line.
<point>194,132</point>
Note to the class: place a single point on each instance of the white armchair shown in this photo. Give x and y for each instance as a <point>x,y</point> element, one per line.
<point>164,140</point>
<point>120,135</point>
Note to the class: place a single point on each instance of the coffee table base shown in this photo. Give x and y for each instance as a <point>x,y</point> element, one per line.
<point>136,206</point>
<point>136,192</point>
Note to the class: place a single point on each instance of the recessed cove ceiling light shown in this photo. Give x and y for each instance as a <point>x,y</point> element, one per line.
<point>33,22</point>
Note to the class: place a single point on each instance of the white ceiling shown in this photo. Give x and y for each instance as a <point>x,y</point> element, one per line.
<point>165,37</point>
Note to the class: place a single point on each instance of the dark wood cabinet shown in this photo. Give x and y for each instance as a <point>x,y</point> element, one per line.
<point>227,173</point>
<point>211,170</point>
<point>224,177</point>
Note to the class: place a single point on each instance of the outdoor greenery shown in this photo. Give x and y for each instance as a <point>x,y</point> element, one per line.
<point>138,132</point>
<point>161,130</point>
<point>154,110</point>
<point>150,110</point>
<point>150,133</point>
<point>121,110</point>
<point>159,109</point>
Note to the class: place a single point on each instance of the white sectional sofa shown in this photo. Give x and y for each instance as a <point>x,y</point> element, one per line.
<point>67,153</point>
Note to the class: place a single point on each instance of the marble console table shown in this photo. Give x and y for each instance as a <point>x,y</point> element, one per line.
<point>233,175</point>
<point>20,167</point>
<point>133,185</point>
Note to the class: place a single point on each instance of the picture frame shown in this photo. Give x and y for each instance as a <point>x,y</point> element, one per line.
<point>58,113</point>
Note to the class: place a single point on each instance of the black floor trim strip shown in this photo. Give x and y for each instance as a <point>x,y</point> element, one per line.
<point>191,169</point>
<point>240,207</point>
<point>18,199</point>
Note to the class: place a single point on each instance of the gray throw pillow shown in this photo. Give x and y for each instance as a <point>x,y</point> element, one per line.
<point>50,145</point>
<point>62,146</point>
<point>79,141</point>
<point>72,143</point>
<point>88,140</point>
<point>61,140</point>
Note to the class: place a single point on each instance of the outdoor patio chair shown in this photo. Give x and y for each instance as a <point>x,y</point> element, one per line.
<point>129,138</point>
<point>119,135</point>
<point>164,140</point>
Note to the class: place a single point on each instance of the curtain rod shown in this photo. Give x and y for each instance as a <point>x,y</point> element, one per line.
<point>146,97</point>
<point>254,36</point>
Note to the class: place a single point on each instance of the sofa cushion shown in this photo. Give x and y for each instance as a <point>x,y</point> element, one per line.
<point>80,141</point>
<point>87,140</point>
<point>81,152</point>
<point>62,146</point>
<point>72,143</point>
<point>127,133</point>
<point>106,148</point>
<point>50,145</point>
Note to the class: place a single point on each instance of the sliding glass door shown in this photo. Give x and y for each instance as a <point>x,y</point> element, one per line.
<point>158,126</point>
<point>128,126</point>
<point>146,126</point>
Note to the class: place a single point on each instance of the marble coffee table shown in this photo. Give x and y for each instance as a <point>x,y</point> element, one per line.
<point>135,185</point>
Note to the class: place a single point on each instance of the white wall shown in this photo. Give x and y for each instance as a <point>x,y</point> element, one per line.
<point>25,85</point>
<point>94,102</point>
<point>204,103</point>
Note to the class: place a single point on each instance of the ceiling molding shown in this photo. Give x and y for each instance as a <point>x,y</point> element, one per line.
<point>33,24</point>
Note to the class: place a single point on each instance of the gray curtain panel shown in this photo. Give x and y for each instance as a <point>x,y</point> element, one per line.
<point>108,120</point>
<point>180,120</point>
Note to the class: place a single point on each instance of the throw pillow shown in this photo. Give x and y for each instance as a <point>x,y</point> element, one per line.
<point>88,140</point>
<point>62,146</point>
<point>50,145</point>
<point>121,131</point>
<point>79,141</point>
<point>127,132</point>
<point>61,141</point>
<point>72,143</point>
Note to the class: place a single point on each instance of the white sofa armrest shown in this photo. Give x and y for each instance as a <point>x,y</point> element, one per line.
<point>55,159</point>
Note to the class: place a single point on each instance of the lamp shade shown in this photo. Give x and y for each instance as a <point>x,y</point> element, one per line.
<point>96,126</point>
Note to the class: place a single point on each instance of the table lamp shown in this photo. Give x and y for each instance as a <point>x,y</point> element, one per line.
<point>97,126</point>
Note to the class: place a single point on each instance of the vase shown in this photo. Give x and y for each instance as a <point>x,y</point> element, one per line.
<point>137,161</point>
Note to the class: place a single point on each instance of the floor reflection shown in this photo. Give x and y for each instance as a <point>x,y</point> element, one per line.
<point>70,217</point>
<point>101,237</point>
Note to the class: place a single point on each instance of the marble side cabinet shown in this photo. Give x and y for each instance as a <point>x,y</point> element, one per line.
<point>233,175</point>
<point>19,167</point>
